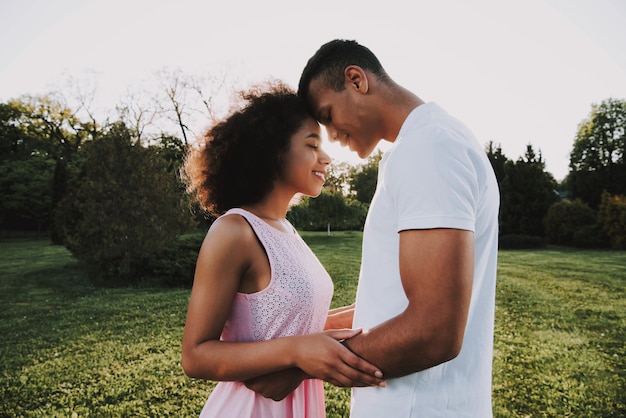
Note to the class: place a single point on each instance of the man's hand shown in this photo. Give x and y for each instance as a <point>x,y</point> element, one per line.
<point>277,385</point>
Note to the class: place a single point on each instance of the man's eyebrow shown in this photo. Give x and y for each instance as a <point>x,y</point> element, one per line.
<point>318,114</point>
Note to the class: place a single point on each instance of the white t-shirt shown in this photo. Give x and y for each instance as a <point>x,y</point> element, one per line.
<point>436,175</point>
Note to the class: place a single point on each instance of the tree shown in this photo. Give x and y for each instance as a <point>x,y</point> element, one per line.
<point>125,208</point>
<point>338,178</point>
<point>34,129</point>
<point>328,211</point>
<point>81,99</point>
<point>597,158</point>
<point>62,133</point>
<point>363,178</point>
<point>188,100</point>
<point>137,114</point>
<point>498,160</point>
<point>25,187</point>
<point>17,141</point>
<point>527,191</point>
<point>176,88</point>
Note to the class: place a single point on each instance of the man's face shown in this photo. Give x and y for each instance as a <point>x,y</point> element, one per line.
<point>345,116</point>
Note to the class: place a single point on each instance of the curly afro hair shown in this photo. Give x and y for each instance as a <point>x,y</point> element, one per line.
<point>241,156</point>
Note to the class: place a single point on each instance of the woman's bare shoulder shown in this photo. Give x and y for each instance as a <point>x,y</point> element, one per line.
<point>231,230</point>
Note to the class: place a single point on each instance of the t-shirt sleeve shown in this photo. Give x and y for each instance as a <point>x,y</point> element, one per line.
<point>433,183</point>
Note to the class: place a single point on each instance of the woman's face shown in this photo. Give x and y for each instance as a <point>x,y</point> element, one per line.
<point>305,162</point>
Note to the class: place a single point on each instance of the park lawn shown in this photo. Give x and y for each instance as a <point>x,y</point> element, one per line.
<point>71,349</point>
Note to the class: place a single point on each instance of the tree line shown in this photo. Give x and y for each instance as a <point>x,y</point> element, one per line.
<point>110,190</point>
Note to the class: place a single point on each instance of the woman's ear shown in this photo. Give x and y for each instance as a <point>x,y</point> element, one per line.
<point>356,78</point>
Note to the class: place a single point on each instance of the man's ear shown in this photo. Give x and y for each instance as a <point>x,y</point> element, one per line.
<point>356,78</point>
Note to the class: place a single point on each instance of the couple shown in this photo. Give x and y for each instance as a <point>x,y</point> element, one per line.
<point>418,341</point>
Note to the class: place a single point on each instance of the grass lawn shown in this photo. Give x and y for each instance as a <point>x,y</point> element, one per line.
<point>69,349</point>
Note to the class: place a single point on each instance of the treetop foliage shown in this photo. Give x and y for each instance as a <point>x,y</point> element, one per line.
<point>597,158</point>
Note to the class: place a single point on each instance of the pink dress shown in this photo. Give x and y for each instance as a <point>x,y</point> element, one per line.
<point>296,302</point>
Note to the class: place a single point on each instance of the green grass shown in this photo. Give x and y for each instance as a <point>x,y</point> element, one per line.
<point>70,349</point>
<point>560,334</point>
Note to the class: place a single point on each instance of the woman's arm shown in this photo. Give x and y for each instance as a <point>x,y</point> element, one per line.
<point>227,255</point>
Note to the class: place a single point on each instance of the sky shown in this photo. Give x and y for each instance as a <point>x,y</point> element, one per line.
<point>516,72</point>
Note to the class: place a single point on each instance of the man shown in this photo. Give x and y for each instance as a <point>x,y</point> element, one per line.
<point>426,293</point>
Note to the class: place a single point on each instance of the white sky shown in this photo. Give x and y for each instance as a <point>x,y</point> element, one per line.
<point>516,72</point>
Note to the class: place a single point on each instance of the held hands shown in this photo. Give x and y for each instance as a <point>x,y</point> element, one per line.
<point>322,356</point>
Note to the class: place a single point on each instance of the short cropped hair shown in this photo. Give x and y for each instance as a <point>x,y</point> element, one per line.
<point>330,61</point>
<point>241,156</point>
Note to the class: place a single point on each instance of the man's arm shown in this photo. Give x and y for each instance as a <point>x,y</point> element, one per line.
<point>436,269</point>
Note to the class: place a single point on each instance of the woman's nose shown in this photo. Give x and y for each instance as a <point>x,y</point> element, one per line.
<point>325,158</point>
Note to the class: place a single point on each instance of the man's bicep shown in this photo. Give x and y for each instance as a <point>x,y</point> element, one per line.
<point>436,269</point>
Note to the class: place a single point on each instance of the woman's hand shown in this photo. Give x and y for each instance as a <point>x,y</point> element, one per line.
<point>324,357</point>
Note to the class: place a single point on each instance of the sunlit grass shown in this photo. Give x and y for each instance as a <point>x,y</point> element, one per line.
<point>560,334</point>
<point>69,349</point>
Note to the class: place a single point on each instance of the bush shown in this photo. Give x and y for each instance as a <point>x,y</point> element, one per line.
<point>315,214</point>
<point>565,218</point>
<point>520,242</point>
<point>612,214</point>
<point>125,209</point>
<point>591,236</point>
<point>174,266</point>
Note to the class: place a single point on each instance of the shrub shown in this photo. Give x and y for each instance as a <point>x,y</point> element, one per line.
<point>520,242</point>
<point>175,265</point>
<point>612,214</point>
<point>328,210</point>
<point>591,236</point>
<point>125,208</point>
<point>565,218</point>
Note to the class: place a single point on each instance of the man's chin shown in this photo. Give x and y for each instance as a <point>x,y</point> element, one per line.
<point>363,154</point>
<point>356,151</point>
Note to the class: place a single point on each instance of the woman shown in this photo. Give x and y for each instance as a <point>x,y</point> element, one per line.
<point>260,297</point>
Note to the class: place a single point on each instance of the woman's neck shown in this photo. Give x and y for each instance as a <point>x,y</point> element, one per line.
<point>274,216</point>
<point>269,208</point>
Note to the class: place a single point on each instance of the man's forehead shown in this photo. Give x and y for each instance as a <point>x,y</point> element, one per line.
<point>314,97</point>
<point>319,94</point>
<point>316,87</point>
